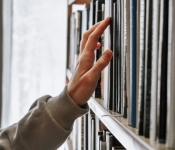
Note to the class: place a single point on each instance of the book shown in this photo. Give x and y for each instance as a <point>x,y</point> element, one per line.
<point>72,43</point>
<point>100,138</point>
<point>128,59</point>
<point>107,94</point>
<point>78,17</point>
<point>93,133</point>
<point>162,73</point>
<point>154,75</point>
<point>90,116</point>
<point>86,132</point>
<point>119,55</point>
<point>97,131</point>
<point>141,67</point>
<point>148,59</point>
<point>102,49</point>
<point>122,55</point>
<point>110,32</point>
<point>124,65</point>
<point>109,140</point>
<point>133,57</point>
<point>102,145</point>
<point>138,63</point>
<point>115,57</point>
<point>98,51</point>
<point>170,128</point>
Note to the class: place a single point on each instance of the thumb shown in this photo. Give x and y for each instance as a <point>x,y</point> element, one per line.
<point>102,62</point>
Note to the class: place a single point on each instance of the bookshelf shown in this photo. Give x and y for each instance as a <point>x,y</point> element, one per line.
<point>119,127</point>
<point>115,122</point>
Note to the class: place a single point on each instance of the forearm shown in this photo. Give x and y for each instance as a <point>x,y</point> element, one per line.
<point>45,127</point>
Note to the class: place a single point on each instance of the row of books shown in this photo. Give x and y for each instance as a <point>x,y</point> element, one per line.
<point>94,135</point>
<point>141,76</point>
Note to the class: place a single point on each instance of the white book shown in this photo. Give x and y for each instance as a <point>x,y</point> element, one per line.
<point>138,61</point>
<point>141,66</point>
<point>159,64</point>
<point>109,140</point>
<point>106,46</point>
<point>122,57</point>
<point>128,56</point>
<point>93,134</point>
<point>170,131</point>
<point>154,75</point>
<point>124,65</point>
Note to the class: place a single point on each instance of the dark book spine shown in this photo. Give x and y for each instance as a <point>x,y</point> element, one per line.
<point>110,102</point>
<point>102,49</point>
<point>141,67</point>
<point>86,132</point>
<point>119,54</point>
<point>133,24</point>
<point>115,66</point>
<point>98,55</point>
<point>163,87</point>
<point>148,60</point>
<point>124,72</point>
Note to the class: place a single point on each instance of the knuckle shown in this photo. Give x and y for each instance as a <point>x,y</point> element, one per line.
<point>85,35</point>
<point>88,79</point>
<point>93,37</point>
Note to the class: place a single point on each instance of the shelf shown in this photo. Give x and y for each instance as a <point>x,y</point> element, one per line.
<point>118,126</point>
<point>70,2</point>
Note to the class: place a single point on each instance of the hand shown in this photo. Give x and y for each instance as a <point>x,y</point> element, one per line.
<point>86,74</point>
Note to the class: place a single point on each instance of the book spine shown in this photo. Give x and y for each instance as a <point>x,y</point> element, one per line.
<point>109,140</point>
<point>137,62</point>
<point>128,58</point>
<point>133,10</point>
<point>100,138</point>
<point>115,71</point>
<point>148,50</point>
<point>141,68</point>
<point>98,55</point>
<point>110,101</point>
<point>102,145</point>
<point>93,134</point>
<point>122,56</point>
<point>170,130</point>
<point>154,78</point>
<point>163,72</point>
<point>119,54</point>
<point>102,49</point>
<point>86,132</point>
<point>124,66</point>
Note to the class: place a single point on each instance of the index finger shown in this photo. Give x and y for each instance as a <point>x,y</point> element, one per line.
<point>95,35</point>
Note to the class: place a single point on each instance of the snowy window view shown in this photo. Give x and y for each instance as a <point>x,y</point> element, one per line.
<point>38,62</point>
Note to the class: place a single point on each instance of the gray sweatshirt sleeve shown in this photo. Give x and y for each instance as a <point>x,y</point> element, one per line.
<point>45,127</point>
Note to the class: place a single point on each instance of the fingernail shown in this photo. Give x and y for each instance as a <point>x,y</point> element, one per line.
<point>106,55</point>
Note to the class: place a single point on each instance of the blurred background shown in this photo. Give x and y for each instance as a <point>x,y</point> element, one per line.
<point>33,37</point>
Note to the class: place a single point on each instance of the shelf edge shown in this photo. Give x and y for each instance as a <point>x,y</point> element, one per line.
<point>126,137</point>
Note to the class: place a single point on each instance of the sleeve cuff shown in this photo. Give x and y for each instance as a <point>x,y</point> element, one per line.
<point>64,110</point>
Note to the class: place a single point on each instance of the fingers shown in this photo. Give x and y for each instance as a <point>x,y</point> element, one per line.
<point>95,35</point>
<point>86,36</point>
<point>102,62</point>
